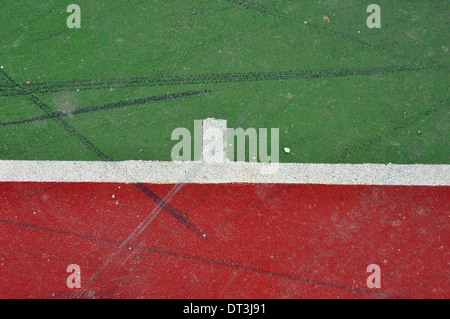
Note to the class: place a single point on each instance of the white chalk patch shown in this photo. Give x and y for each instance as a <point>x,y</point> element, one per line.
<point>158,172</point>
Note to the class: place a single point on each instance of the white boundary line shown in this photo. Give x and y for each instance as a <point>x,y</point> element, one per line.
<point>217,169</point>
<point>157,172</point>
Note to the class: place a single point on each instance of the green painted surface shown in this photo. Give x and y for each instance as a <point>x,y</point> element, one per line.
<point>371,117</point>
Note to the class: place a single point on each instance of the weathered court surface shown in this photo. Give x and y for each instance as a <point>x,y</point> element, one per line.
<point>115,89</point>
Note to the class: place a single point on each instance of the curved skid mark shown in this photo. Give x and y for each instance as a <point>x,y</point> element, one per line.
<point>81,85</point>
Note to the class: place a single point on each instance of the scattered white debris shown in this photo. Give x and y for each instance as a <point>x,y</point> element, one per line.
<point>287,150</point>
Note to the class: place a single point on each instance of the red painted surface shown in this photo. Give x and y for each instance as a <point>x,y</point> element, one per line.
<point>263,241</point>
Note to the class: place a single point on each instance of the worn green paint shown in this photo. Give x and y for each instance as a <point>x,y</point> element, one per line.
<point>368,118</point>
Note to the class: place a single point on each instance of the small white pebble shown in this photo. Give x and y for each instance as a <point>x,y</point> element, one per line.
<point>287,150</point>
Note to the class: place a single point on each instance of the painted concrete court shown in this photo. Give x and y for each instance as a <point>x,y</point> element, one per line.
<point>86,176</point>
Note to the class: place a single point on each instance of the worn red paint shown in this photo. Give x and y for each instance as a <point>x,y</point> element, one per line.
<point>262,241</point>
